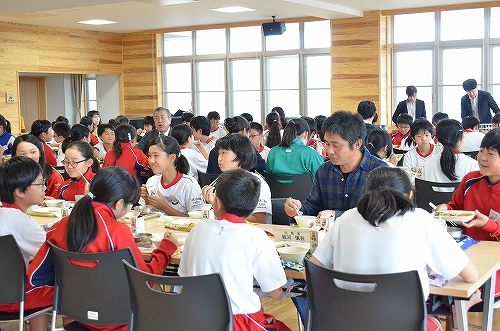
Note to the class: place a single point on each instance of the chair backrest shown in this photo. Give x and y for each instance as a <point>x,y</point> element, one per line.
<point>394,301</point>
<point>297,186</point>
<point>472,154</point>
<point>205,179</point>
<point>279,215</point>
<point>13,274</point>
<point>399,151</point>
<point>426,191</point>
<point>92,288</point>
<point>178,303</point>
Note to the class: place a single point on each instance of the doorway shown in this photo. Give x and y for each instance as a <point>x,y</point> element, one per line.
<point>32,100</point>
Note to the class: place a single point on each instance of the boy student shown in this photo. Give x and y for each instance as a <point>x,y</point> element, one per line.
<point>421,134</point>
<point>184,136</point>
<point>403,131</point>
<point>201,131</point>
<point>472,136</point>
<point>495,121</point>
<point>61,132</point>
<point>256,137</point>
<point>236,250</point>
<point>436,118</point>
<point>42,129</point>
<point>216,131</point>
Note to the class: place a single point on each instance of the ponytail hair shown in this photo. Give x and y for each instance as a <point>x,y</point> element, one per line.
<point>386,195</point>
<point>170,146</point>
<point>274,135</point>
<point>124,133</point>
<point>76,133</point>
<point>449,132</point>
<point>110,185</point>
<point>378,139</point>
<point>293,129</point>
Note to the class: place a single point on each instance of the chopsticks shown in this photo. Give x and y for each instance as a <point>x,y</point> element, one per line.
<point>83,177</point>
<point>433,206</point>
<point>299,213</point>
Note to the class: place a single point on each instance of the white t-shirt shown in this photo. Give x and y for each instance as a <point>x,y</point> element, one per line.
<point>208,146</point>
<point>101,149</point>
<point>472,141</point>
<point>27,232</point>
<point>219,133</point>
<point>402,243</point>
<point>432,168</point>
<point>183,196</point>
<point>264,205</point>
<point>264,151</point>
<point>196,162</point>
<point>240,253</point>
<point>413,158</point>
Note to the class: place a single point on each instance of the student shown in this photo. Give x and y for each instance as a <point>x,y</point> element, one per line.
<point>96,121</point>
<point>379,144</point>
<point>472,136</point>
<point>420,133</point>
<point>6,138</point>
<point>256,136</point>
<point>368,111</point>
<point>89,123</point>
<point>148,124</point>
<point>78,132</point>
<point>436,118</point>
<point>273,133</point>
<point>170,190</point>
<point>403,131</point>
<point>451,165</point>
<point>480,191</point>
<point>21,186</point>
<point>106,133</point>
<point>314,141</point>
<point>121,119</point>
<point>184,136</point>
<point>92,227</point>
<point>28,145</point>
<point>80,167</point>
<point>248,117</point>
<point>201,131</point>
<point>61,132</point>
<point>411,106</point>
<point>216,131</point>
<point>292,156</point>
<point>236,151</point>
<point>278,110</point>
<point>125,155</point>
<point>495,121</point>
<point>367,239</point>
<point>238,251</point>
<point>186,118</point>
<point>42,129</point>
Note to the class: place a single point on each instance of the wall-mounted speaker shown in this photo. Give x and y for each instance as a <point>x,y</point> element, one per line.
<point>273,28</point>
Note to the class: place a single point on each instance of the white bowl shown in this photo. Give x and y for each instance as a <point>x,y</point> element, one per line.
<point>293,254</point>
<point>196,214</point>
<point>54,203</point>
<point>455,215</point>
<point>305,221</point>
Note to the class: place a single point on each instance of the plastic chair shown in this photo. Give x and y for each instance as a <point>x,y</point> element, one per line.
<point>91,288</point>
<point>205,179</point>
<point>13,282</point>
<point>426,191</point>
<point>279,215</point>
<point>472,154</point>
<point>297,186</point>
<point>178,303</point>
<point>394,301</point>
<point>399,151</point>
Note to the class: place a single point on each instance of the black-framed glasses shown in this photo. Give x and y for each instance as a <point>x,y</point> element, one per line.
<point>43,183</point>
<point>253,135</point>
<point>74,164</point>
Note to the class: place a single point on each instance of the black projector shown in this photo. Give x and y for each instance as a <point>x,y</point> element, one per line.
<point>273,28</point>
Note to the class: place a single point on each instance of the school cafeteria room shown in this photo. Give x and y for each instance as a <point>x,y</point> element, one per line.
<point>413,61</point>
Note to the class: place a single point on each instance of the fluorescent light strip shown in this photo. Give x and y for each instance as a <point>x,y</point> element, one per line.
<point>234,9</point>
<point>97,22</point>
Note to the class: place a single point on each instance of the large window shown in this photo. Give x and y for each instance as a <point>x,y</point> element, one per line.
<point>437,51</point>
<point>238,70</point>
<point>90,93</point>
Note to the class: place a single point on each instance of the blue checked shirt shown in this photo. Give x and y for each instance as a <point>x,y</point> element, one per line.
<point>331,191</point>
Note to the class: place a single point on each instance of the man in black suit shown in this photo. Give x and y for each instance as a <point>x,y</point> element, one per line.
<point>162,120</point>
<point>477,103</point>
<point>411,106</point>
<point>368,111</point>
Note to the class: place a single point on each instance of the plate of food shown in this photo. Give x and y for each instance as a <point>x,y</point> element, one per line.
<point>455,215</point>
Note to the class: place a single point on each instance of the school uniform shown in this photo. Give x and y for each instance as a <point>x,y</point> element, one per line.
<point>133,160</point>
<point>432,168</point>
<point>196,161</point>
<point>73,187</point>
<point>471,141</point>
<point>54,184</point>
<point>413,158</point>
<point>50,158</point>
<point>218,133</point>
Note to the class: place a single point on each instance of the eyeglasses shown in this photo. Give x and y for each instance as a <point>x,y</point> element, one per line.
<point>253,136</point>
<point>43,183</point>
<point>74,164</point>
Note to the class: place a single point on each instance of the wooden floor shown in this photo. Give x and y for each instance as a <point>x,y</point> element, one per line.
<point>285,311</point>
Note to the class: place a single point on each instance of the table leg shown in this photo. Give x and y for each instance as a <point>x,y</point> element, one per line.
<point>460,315</point>
<point>489,297</point>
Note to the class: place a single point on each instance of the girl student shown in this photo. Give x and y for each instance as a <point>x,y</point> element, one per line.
<point>379,144</point>
<point>28,145</point>
<point>170,189</point>
<point>106,133</point>
<point>78,132</point>
<point>80,165</point>
<point>92,227</point>
<point>451,165</point>
<point>272,134</point>
<point>124,154</point>
<point>236,151</point>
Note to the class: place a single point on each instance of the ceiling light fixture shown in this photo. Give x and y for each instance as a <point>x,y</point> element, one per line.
<point>231,10</point>
<point>97,22</point>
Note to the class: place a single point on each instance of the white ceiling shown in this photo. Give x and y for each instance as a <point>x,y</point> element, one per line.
<point>142,15</point>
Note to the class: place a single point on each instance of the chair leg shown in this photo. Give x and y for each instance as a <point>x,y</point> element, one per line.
<point>301,327</point>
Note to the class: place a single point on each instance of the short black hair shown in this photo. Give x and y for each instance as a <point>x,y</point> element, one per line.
<point>469,122</point>
<point>241,146</point>
<point>469,84</point>
<point>239,192</point>
<point>213,115</point>
<point>313,126</point>
<point>121,119</point>
<point>62,119</point>
<point>181,133</point>
<point>40,126</point>
<point>201,122</point>
<point>257,127</point>
<point>420,124</point>
<point>18,172</point>
<point>496,118</point>
<point>187,117</point>
<point>411,90</point>
<point>438,117</point>
<point>102,127</point>
<point>349,126</point>
<point>405,119</point>
<point>491,140</point>
<point>86,120</point>
<point>367,109</point>
<point>61,129</point>
<point>148,120</point>
<point>248,117</point>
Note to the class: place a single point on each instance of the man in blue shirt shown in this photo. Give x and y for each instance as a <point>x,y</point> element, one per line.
<point>338,184</point>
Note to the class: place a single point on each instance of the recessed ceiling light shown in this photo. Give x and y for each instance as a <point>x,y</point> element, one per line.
<point>234,9</point>
<point>97,22</point>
